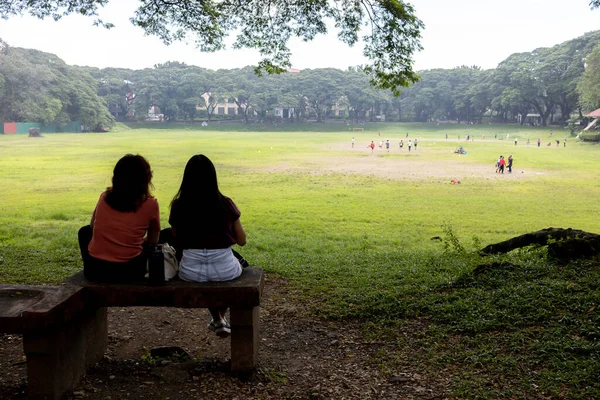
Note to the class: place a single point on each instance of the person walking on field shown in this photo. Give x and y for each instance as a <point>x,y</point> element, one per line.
<point>516,140</point>
<point>387,145</point>
<point>409,145</point>
<point>401,144</point>
<point>415,143</point>
<point>565,142</point>
<point>372,146</point>
<point>502,163</point>
<point>539,142</point>
<point>509,164</point>
<point>352,142</point>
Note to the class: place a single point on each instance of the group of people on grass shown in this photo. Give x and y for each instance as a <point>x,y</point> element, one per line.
<point>539,142</point>
<point>387,144</point>
<point>501,163</point>
<point>125,227</point>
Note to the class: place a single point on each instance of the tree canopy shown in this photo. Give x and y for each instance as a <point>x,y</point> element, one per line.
<point>389,29</point>
<point>544,81</point>
<point>552,83</point>
<point>37,86</point>
<point>589,85</point>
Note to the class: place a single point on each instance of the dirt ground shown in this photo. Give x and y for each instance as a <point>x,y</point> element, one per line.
<point>416,164</point>
<point>300,358</point>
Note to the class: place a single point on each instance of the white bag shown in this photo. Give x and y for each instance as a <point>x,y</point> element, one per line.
<point>170,262</point>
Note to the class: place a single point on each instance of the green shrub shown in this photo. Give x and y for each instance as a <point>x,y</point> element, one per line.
<point>590,136</point>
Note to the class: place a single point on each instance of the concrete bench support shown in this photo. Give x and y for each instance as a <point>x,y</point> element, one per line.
<point>65,327</point>
<point>244,339</point>
<point>58,357</point>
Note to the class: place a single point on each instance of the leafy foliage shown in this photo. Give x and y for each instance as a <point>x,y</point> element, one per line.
<point>543,81</point>
<point>589,86</point>
<point>40,87</point>
<point>548,81</point>
<point>392,28</point>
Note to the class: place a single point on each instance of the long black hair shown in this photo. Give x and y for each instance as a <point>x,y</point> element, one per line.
<point>131,183</point>
<point>199,194</point>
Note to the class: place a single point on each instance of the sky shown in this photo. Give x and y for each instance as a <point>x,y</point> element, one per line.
<point>457,32</point>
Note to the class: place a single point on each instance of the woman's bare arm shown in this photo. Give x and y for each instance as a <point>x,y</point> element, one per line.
<point>153,232</point>
<point>238,231</point>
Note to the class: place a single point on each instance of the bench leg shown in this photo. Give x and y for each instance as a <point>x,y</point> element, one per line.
<point>244,339</point>
<point>57,358</point>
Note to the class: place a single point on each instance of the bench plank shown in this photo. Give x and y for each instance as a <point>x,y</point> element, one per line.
<point>26,308</point>
<point>65,327</point>
<point>243,292</point>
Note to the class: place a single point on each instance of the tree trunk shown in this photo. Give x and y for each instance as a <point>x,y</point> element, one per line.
<point>318,112</point>
<point>565,111</point>
<point>210,111</point>
<point>563,244</point>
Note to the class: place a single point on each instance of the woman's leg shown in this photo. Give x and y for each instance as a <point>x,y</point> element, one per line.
<point>218,324</point>
<point>106,271</point>
<point>90,269</point>
<point>85,237</point>
<point>216,314</point>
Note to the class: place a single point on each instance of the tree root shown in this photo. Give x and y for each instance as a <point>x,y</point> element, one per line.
<point>563,244</point>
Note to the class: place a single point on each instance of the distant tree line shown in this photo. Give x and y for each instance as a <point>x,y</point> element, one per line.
<point>553,83</point>
<point>40,87</point>
<point>184,92</point>
<point>389,30</point>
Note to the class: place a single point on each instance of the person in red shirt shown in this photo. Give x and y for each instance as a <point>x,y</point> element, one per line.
<point>124,224</point>
<point>372,146</point>
<point>501,165</point>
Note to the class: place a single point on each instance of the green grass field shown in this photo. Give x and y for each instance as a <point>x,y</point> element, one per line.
<point>352,232</point>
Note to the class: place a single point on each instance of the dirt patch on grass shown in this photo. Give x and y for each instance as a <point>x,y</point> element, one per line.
<point>300,358</point>
<point>397,164</point>
<point>409,167</point>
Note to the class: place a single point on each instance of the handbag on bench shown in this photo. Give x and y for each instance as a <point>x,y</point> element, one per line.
<point>162,264</point>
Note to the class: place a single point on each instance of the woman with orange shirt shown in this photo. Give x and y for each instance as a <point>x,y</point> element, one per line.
<point>125,222</point>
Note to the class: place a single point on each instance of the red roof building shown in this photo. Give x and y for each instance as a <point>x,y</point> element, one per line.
<point>594,114</point>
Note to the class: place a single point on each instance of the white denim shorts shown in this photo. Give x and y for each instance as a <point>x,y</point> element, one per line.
<point>209,265</point>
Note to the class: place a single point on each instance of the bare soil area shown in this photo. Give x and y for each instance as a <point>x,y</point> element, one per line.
<point>300,358</point>
<point>416,164</point>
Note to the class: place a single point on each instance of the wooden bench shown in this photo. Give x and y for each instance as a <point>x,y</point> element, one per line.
<point>65,327</point>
